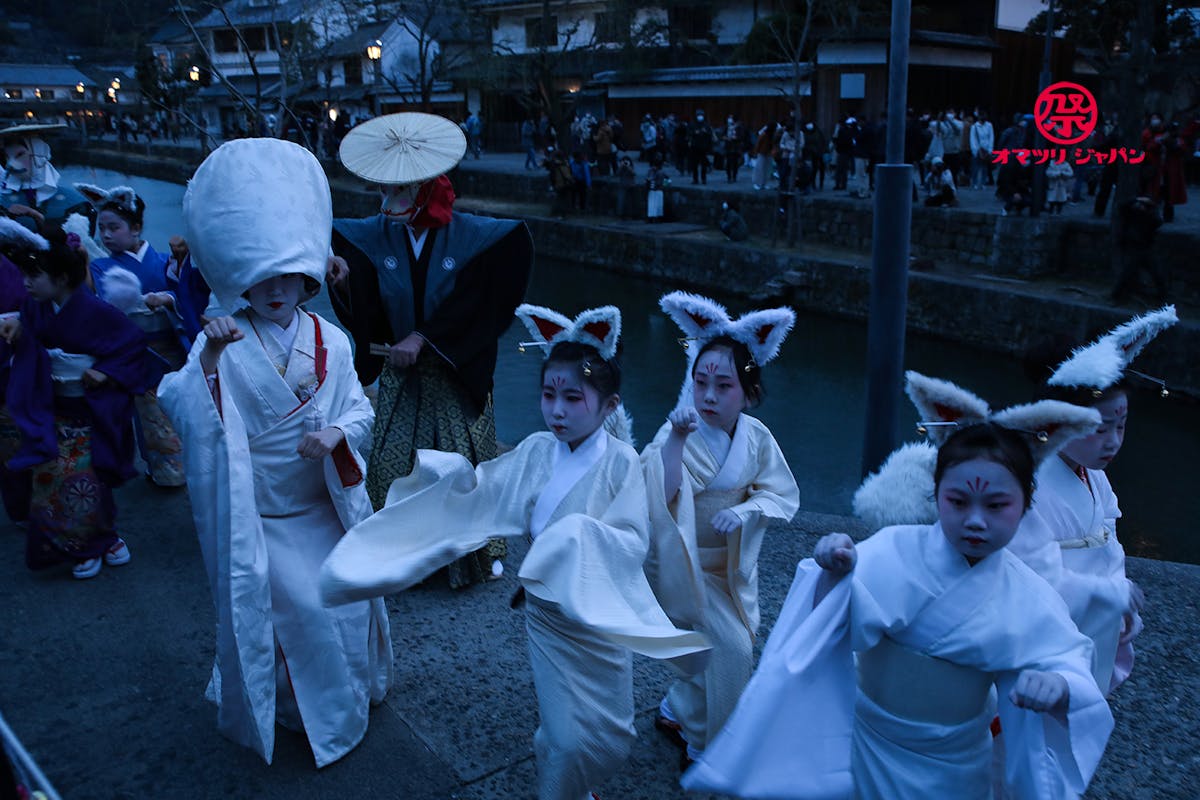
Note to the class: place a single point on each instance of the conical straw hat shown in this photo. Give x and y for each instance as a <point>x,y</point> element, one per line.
<point>403,148</point>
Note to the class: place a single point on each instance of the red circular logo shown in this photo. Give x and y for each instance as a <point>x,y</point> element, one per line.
<point>1065,113</point>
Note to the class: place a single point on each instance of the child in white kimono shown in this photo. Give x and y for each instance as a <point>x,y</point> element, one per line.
<point>877,681</point>
<point>715,477</point>
<point>271,413</point>
<point>1070,535</point>
<point>578,492</point>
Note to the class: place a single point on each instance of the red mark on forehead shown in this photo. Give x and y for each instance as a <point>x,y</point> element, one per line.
<point>711,368</point>
<point>979,485</point>
<point>703,322</point>
<point>1121,410</point>
<point>558,382</point>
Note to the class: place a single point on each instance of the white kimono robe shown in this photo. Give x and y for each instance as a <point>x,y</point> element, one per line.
<point>588,600</point>
<point>266,519</point>
<point>931,634</point>
<point>1069,537</point>
<point>706,581</point>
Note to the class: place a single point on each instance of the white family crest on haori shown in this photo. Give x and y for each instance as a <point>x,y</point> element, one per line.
<point>901,491</point>
<point>124,196</point>
<point>277,181</point>
<point>1103,362</point>
<point>598,327</point>
<point>703,320</point>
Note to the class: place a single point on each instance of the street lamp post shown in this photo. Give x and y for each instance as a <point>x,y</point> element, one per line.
<point>79,92</point>
<point>375,54</point>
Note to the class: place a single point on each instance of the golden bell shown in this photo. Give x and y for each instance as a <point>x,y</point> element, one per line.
<point>922,430</point>
<point>587,371</point>
<point>1043,437</point>
<point>1097,392</point>
<point>1164,392</point>
<point>747,368</point>
<point>520,348</point>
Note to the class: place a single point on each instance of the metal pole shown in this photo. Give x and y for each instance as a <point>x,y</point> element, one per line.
<point>889,258</point>
<point>1039,172</point>
<point>378,83</point>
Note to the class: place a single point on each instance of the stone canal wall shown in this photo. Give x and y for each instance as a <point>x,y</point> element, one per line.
<point>983,290</point>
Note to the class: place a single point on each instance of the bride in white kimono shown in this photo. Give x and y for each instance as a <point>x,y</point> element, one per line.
<point>578,492</point>
<point>1070,535</point>
<point>715,477</point>
<point>877,681</point>
<point>271,413</point>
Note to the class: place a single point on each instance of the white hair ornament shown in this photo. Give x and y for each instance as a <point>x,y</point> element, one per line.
<point>1102,363</point>
<point>598,327</point>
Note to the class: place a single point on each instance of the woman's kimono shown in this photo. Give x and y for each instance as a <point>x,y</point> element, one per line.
<point>267,519</point>
<point>1069,537</point>
<point>931,635</point>
<point>588,603</point>
<point>157,440</point>
<point>706,581</point>
<point>78,441</point>
<point>15,486</point>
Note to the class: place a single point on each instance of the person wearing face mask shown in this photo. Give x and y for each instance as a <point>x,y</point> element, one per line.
<point>272,415</point>
<point>700,143</point>
<point>430,290</point>
<point>1162,177</point>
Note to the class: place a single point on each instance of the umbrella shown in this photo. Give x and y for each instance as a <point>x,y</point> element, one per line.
<point>403,148</point>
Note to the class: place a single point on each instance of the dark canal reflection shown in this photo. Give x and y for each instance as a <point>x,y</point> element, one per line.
<point>814,404</point>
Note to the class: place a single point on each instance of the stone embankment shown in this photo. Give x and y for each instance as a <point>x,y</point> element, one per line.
<point>997,283</point>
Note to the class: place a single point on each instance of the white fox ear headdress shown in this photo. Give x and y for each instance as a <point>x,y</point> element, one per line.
<point>702,320</point>
<point>598,327</point>
<point>123,196</point>
<point>943,406</point>
<point>15,237</point>
<point>901,491</point>
<point>1102,363</point>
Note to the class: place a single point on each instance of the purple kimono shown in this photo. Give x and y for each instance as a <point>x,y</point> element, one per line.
<point>85,324</point>
<point>78,448</point>
<point>151,270</point>
<point>14,486</point>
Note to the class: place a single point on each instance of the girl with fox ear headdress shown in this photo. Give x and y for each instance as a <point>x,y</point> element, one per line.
<point>891,657</point>
<point>576,491</point>
<point>715,478</point>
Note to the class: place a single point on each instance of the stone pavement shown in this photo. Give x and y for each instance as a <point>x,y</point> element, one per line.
<point>103,682</point>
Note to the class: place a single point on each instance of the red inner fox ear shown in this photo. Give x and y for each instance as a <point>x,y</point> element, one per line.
<point>947,413</point>
<point>763,333</point>
<point>702,322</point>
<point>598,329</point>
<point>547,328</point>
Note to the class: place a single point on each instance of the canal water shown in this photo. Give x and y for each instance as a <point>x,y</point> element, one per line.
<point>815,389</point>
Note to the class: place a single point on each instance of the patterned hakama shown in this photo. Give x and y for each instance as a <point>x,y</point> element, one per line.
<point>72,515</point>
<point>426,408</point>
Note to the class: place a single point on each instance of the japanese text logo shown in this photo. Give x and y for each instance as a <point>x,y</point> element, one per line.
<point>1065,113</point>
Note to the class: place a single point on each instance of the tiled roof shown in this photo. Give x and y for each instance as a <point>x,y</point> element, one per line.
<point>249,12</point>
<point>42,75</point>
<point>357,41</point>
